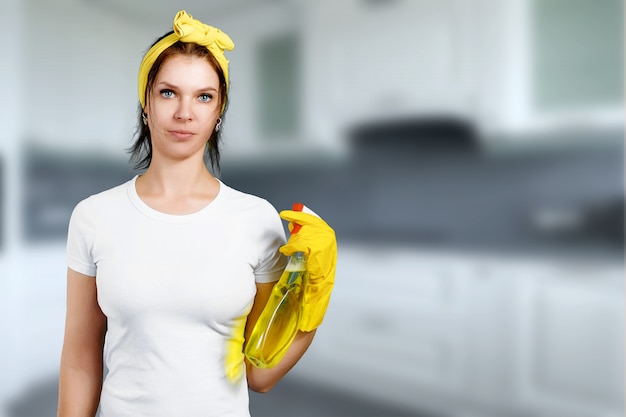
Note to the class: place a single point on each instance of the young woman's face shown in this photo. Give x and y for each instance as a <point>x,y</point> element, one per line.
<point>183,107</point>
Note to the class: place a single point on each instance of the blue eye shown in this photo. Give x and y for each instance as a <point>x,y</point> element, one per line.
<point>167,93</point>
<point>205,97</point>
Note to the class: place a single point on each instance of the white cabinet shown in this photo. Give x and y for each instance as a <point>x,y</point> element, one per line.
<point>549,65</point>
<point>391,330</point>
<point>470,334</point>
<point>502,64</point>
<point>571,341</point>
<point>514,67</point>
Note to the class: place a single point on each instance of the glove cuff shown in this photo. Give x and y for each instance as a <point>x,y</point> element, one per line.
<point>313,311</point>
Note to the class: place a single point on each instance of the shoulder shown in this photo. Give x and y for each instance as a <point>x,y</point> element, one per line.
<point>254,214</point>
<point>104,200</point>
<point>249,204</point>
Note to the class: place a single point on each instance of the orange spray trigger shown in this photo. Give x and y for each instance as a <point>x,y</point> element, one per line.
<point>296,207</point>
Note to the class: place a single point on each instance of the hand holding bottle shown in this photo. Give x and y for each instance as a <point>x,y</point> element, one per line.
<point>316,239</point>
<point>300,297</point>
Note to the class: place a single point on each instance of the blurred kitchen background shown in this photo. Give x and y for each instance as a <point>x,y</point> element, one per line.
<point>468,153</point>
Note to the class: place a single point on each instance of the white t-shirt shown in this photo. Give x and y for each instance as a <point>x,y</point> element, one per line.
<point>175,290</point>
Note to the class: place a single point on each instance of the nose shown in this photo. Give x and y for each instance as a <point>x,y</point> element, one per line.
<point>184,111</point>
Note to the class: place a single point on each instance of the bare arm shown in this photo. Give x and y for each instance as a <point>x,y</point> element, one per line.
<point>80,380</point>
<point>263,380</point>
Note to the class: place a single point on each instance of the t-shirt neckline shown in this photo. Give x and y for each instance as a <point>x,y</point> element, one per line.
<point>167,217</point>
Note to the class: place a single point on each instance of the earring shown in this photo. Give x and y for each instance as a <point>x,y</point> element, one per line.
<point>144,117</point>
<point>218,125</point>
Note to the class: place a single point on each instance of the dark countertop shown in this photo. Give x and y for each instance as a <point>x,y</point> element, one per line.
<point>443,198</point>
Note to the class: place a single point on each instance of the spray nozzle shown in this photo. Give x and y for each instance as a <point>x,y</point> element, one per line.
<point>296,207</point>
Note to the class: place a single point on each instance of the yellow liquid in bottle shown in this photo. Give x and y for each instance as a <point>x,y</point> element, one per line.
<point>278,324</point>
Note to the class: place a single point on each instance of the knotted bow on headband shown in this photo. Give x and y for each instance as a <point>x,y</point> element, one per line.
<point>189,30</point>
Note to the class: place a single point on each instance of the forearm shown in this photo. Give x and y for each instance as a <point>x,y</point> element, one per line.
<point>263,379</point>
<point>79,390</point>
<point>80,377</point>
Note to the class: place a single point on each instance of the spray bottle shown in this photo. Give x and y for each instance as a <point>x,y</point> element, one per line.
<point>277,326</point>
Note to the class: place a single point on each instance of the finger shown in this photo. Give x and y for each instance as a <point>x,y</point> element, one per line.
<point>292,247</point>
<point>300,217</point>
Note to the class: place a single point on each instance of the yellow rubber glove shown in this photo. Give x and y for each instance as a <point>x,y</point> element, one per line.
<point>317,240</point>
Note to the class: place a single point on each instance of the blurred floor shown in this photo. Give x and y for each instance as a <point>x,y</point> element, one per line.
<point>296,398</point>
<point>288,398</point>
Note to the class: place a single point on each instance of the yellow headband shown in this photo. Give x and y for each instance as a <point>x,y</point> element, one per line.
<point>186,29</point>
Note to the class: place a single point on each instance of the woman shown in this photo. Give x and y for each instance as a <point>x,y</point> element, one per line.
<point>169,272</point>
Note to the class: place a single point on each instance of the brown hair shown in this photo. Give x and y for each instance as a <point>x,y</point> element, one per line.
<point>141,149</point>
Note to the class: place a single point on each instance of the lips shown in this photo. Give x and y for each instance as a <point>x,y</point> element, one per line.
<point>181,134</point>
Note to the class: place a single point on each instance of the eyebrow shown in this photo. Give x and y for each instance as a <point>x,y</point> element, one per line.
<point>173,87</point>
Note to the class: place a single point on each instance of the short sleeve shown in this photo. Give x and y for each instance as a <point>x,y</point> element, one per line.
<point>80,239</point>
<point>271,262</point>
